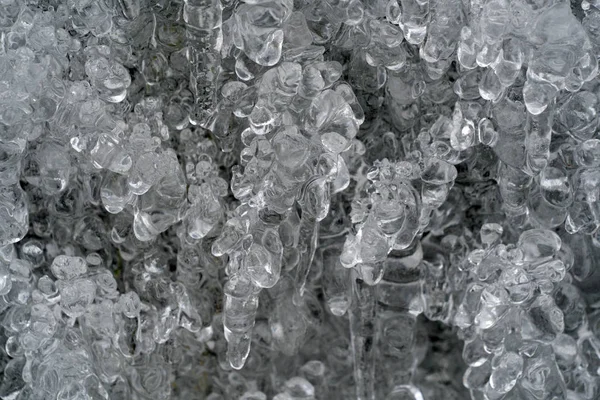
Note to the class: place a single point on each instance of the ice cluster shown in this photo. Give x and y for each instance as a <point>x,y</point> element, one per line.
<point>299,200</point>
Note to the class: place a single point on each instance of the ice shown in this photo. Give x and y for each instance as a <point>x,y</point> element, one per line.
<point>313,199</point>
<point>258,30</point>
<point>68,268</point>
<point>13,214</point>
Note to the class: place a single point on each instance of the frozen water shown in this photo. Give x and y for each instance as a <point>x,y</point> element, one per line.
<point>299,200</point>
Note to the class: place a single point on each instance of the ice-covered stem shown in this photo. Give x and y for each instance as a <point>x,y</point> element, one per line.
<point>241,303</point>
<point>538,134</point>
<point>299,125</point>
<point>446,18</point>
<point>363,321</point>
<point>203,20</point>
<point>397,312</point>
<point>390,213</point>
<point>205,211</point>
<point>255,261</point>
<point>308,236</point>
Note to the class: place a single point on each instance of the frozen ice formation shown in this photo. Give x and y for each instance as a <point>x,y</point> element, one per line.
<point>299,200</point>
